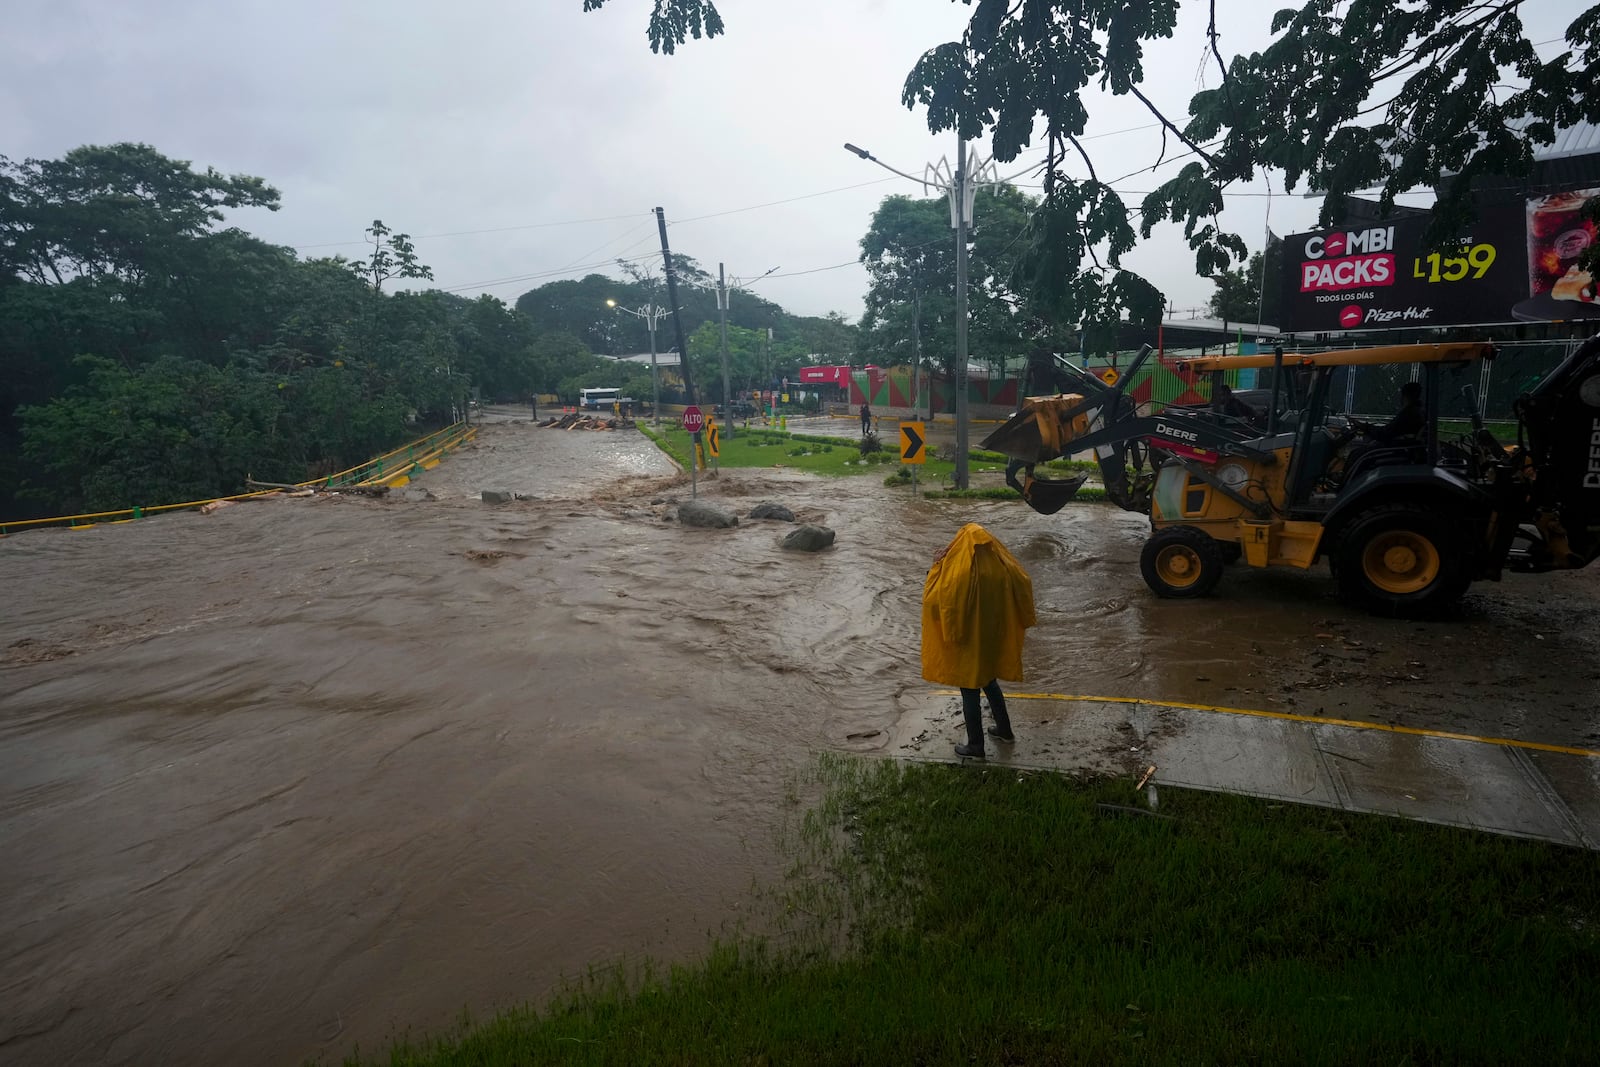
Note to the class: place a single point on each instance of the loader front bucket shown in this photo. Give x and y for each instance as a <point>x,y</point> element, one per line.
<point>1049,495</point>
<point>1037,433</point>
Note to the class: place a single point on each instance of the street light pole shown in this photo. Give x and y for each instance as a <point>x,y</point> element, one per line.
<point>959,198</point>
<point>961,187</point>
<point>722,313</point>
<point>651,314</point>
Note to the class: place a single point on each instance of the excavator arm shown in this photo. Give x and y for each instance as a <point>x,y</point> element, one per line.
<point>1107,423</point>
<point>1052,427</point>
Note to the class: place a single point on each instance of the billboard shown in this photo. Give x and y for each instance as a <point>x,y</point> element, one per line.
<point>1518,264</point>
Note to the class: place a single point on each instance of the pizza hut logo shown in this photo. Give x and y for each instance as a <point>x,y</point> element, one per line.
<point>1348,260</point>
<point>1350,317</point>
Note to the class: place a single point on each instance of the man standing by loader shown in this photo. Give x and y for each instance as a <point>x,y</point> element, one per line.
<point>977,605</point>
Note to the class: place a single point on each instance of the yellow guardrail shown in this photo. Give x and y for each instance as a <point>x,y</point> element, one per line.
<point>393,468</point>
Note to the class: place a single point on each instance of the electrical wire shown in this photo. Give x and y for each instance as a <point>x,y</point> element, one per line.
<point>468,233</point>
<point>551,274</point>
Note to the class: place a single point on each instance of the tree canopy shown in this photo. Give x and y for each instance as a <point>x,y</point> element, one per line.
<point>1350,95</point>
<point>148,354</point>
<point>1244,295</point>
<point>909,253</point>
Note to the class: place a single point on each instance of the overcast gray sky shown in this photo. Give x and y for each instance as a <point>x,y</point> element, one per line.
<point>558,131</point>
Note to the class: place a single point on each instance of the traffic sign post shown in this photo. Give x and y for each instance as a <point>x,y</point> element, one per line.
<point>913,448</point>
<point>693,421</point>
<point>913,438</point>
<point>714,439</point>
<point>1109,376</point>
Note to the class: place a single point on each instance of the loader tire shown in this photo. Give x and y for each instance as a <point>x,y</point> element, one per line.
<point>1181,562</point>
<point>1400,561</point>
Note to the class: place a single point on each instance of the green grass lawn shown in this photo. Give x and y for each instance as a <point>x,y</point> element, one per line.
<point>957,915</point>
<point>841,457</point>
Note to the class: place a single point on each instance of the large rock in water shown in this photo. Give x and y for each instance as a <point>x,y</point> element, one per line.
<point>768,510</point>
<point>809,538</point>
<point>496,496</point>
<point>699,513</point>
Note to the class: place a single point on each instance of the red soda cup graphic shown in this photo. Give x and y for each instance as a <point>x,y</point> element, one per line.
<point>1557,236</point>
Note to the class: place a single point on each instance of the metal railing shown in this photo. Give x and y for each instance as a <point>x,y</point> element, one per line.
<point>392,468</point>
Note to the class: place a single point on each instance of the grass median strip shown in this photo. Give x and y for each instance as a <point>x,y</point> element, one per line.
<point>841,456</point>
<point>941,914</point>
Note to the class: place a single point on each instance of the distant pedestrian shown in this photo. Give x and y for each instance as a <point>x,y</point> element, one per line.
<point>866,420</point>
<point>977,605</point>
<point>533,406</point>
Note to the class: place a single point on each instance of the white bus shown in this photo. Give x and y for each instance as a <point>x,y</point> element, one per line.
<point>598,399</point>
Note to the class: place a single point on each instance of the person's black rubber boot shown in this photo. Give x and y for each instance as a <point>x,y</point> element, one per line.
<point>995,732</point>
<point>970,751</point>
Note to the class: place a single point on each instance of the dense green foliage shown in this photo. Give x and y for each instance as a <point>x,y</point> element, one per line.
<point>957,915</point>
<point>1241,296</point>
<point>910,255</point>
<point>150,353</point>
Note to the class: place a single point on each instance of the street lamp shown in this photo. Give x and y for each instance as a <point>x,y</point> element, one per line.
<point>722,314</point>
<point>651,314</point>
<point>962,188</point>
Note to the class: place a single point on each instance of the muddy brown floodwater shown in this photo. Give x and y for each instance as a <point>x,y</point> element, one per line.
<point>304,773</point>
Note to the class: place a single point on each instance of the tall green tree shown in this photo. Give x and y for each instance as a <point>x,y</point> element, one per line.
<point>149,355</point>
<point>909,253</point>
<point>393,256</point>
<point>1241,295</point>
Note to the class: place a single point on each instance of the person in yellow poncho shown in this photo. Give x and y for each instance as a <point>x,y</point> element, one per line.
<point>977,604</point>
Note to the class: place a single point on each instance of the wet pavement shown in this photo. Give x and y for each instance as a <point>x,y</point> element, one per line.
<point>1524,789</point>
<point>302,773</point>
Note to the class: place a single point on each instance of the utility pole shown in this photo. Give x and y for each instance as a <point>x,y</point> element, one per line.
<point>672,301</point>
<point>722,313</point>
<point>916,357</point>
<point>697,459</point>
<point>959,200</point>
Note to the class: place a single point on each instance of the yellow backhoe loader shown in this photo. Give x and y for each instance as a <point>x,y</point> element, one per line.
<point>1406,525</point>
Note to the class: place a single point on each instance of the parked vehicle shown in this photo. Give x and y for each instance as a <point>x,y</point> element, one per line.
<point>1406,525</point>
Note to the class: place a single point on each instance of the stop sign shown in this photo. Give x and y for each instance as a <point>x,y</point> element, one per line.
<point>694,419</point>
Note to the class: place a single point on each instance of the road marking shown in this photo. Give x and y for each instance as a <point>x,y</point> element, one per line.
<point>1354,724</point>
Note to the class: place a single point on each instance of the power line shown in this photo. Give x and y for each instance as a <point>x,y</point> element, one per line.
<point>775,203</point>
<point>813,270</point>
<point>650,215</point>
<point>492,229</point>
<point>550,274</point>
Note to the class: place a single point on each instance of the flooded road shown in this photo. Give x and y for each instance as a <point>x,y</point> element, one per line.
<point>303,772</point>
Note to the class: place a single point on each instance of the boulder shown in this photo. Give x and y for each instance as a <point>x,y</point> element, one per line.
<point>496,496</point>
<point>809,538</point>
<point>768,510</point>
<point>700,513</point>
<point>415,494</point>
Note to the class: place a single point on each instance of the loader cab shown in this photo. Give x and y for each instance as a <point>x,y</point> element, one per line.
<point>1317,482</point>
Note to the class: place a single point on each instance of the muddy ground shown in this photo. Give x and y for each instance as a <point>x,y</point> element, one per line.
<point>302,773</point>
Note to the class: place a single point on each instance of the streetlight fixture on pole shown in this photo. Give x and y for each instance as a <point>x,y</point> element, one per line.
<point>722,312</point>
<point>651,314</point>
<point>961,187</point>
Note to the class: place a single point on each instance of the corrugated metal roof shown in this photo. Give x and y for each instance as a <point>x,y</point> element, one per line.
<point>1576,140</point>
<point>1573,141</point>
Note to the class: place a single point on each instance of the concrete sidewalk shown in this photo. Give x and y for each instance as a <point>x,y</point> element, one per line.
<point>1525,789</point>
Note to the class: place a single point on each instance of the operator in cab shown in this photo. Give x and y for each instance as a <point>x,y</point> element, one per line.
<point>1407,422</point>
<point>1224,400</point>
<point>1406,426</point>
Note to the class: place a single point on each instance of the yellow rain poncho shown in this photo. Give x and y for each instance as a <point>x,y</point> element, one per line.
<point>977,605</point>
